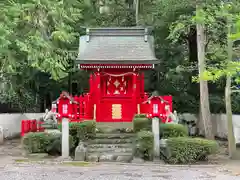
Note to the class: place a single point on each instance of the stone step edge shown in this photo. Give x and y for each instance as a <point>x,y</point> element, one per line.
<point>119,157</point>
<point>110,141</point>
<point>112,153</point>
<point>110,145</point>
<point>120,150</point>
<point>114,136</point>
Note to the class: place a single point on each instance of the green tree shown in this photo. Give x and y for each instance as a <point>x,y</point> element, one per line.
<point>36,35</point>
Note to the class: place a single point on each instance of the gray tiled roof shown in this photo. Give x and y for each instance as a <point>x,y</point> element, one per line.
<point>116,46</point>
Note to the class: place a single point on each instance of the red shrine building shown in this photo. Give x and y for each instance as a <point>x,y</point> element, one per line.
<point>116,59</point>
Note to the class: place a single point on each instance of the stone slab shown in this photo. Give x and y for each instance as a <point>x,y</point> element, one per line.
<point>107,158</point>
<point>80,153</point>
<point>124,159</point>
<point>92,158</point>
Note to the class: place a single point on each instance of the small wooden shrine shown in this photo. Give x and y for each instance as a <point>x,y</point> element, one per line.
<point>116,58</point>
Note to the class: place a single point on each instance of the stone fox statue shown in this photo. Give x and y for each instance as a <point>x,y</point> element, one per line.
<point>49,117</point>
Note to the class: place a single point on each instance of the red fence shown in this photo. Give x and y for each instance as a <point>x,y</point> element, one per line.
<point>77,108</point>
<point>31,126</point>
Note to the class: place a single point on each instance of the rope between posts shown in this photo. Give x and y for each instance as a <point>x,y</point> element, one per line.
<point>119,75</point>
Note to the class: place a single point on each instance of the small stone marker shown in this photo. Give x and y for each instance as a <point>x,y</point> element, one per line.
<point>80,152</point>
<point>163,143</point>
<point>1,135</point>
<point>155,130</point>
<point>137,160</point>
<point>65,138</point>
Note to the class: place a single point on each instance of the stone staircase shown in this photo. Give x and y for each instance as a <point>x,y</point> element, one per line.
<point>111,147</point>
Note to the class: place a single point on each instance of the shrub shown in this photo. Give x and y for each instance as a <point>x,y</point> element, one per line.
<point>55,147</point>
<point>173,130</point>
<point>144,145</point>
<point>140,116</point>
<point>188,150</point>
<point>141,122</point>
<point>36,142</point>
<point>81,130</point>
<point>42,142</point>
<point>88,130</point>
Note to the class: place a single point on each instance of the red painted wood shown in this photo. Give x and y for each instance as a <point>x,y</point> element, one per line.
<point>106,110</point>
<point>134,93</point>
<point>113,86</point>
<point>98,95</point>
<point>31,125</point>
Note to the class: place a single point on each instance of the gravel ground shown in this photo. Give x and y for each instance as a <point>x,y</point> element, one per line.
<point>27,171</point>
<point>10,170</point>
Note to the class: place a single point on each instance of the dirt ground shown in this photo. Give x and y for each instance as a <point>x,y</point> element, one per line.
<point>11,148</point>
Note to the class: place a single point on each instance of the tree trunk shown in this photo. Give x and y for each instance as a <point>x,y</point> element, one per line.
<point>204,96</point>
<point>137,12</point>
<point>231,137</point>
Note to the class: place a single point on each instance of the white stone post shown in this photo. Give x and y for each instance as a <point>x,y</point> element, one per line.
<point>156,134</point>
<point>65,138</point>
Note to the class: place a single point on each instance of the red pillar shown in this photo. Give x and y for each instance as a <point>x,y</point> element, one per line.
<point>91,83</point>
<point>134,93</point>
<point>98,95</point>
<point>142,82</point>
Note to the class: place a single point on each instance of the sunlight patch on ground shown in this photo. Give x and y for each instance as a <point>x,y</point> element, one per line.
<point>77,163</point>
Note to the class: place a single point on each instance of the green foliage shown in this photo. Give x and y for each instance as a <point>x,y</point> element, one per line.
<point>46,31</point>
<point>140,116</point>
<point>188,150</point>
<point>36,142</point>
<point>55,147</point>
<point>144,145</point>
<point>39,41</point>
<point>173,130</point>
<point>88,130</point>
<point>141,122</point>
<point>81,130</point>
<point>42,142</point>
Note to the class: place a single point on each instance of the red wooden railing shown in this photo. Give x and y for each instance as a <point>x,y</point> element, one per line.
<point>80,109</point>
<point>31,126</point>
<point>83,109</point>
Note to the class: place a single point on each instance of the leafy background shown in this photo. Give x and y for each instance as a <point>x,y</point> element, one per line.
<point>39,42</point>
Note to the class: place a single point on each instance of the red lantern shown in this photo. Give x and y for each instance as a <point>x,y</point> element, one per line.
<point>160,106</point>
<point>155,106</point>
<point>65,107</point>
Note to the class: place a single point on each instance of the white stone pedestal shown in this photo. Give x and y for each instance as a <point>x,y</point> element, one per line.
<point>236,131</point>
<point>65,138</point>
<point>1,135</point>
<point>155,130</point>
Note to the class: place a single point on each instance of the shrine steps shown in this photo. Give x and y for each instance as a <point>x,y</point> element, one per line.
<point>114,125</point>
<point>111,146</point>
<point>111,141</point>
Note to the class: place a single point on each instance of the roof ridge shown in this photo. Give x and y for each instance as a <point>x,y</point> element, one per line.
<point>118,31</point>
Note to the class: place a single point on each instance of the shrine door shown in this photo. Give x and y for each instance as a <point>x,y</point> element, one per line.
<point>116,104</point>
